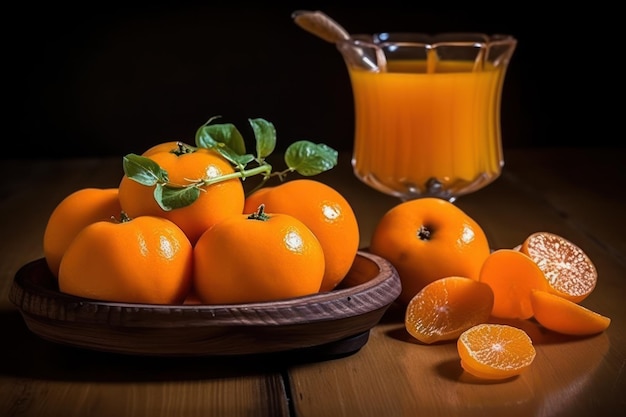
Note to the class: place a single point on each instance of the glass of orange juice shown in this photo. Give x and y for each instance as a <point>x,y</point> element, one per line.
<point>427,111</point>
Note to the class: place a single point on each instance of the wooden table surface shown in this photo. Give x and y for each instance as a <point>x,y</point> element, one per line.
<point>572,192</point>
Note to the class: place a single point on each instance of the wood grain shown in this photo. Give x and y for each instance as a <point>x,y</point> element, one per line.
<point>572,192</point>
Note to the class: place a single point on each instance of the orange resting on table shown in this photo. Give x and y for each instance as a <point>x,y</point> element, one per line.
<point>564,316</point>
<point>323,210</point>
<point>512,276</point>
<point>447,307</point>
<point>495,351</point>
<point>568,270</point>
<point>429,238</point>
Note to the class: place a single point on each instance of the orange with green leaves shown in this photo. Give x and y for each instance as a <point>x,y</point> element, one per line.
<point>186,170</point>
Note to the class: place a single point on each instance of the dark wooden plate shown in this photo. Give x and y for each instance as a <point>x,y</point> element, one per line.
<point>337,322</point>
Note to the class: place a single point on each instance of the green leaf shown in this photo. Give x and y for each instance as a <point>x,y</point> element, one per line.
<point>214,136</point>
<point>143,170</point>
<point>170,198</point>
<point>304,157</point>
<point>265,135</point>
<point>308,158</point>
<point>240,160</point>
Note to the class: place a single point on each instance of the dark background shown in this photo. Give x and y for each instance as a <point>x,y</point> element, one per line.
<point>107,79</point>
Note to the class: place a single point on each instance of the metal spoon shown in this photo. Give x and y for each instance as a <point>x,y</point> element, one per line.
<point>321,25</point>
<point>324,27</point>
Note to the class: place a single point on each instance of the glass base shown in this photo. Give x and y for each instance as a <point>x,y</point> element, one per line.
<point>433,187</point>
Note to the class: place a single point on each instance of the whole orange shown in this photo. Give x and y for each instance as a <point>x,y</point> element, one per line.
<point>216,201</point>
<point>143,260</point>
<point>427,239</point>
<point>325,211</point>
<point>255,258</point>
<point>171,146</point>
<point>71,215</point>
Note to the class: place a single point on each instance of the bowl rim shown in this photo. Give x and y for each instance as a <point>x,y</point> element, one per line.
<point>34,299</point>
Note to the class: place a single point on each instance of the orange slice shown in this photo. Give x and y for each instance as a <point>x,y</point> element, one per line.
<point>512,276</point>
<point>564,316</point>
<point>495,351</point>
<point>569,271</point>
<point>446,307</point>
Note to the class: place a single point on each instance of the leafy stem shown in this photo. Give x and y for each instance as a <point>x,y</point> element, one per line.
<point>304,157</point>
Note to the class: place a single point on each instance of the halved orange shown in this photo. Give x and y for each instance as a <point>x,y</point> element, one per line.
<point>564,316</point>
<point>495,351</point>
<point>446,307</point>
<point>512,276</point>
<point>568,270</point>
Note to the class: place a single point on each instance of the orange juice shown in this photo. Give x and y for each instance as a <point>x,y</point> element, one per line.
<point>416,128</point>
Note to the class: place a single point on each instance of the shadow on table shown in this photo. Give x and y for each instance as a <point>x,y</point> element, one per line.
<point>29,356</point>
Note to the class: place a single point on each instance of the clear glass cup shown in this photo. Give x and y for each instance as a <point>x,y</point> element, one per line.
<point>427,111</point>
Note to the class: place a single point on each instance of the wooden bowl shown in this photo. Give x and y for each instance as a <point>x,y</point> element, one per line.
<point>334,322</point>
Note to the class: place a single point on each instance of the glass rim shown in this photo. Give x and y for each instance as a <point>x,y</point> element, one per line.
<point>430,41</point>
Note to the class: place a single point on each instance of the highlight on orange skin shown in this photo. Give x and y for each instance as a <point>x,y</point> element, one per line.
<point>512,276</point>
<point>564,316</point>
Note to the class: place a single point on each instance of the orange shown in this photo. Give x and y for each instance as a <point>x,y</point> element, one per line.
<point>564,316</point>
<point>71,215</point>
<point>143,260</point>
<point>568,269</point>
<point>172,147</point>
<point>323,210</point>
<point>495,351</point>
<point>256,198</point>
<point>257,257</point>
<point>427,239</point>
<point>215,202</point>
<point>512,276</point>
<point>446,307</point>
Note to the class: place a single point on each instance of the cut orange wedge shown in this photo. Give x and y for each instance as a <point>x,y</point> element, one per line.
<point>446,307</point>
<point>568,270</point>
<point>564,316</point>
<point>495,351</point>
<point>512,276</point>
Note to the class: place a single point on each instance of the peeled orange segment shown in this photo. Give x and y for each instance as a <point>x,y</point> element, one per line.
<point>495,351</point>
<point>564,316</point>
<point>569,271</point>
<point>512,276</point>
<point>447,307</point>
